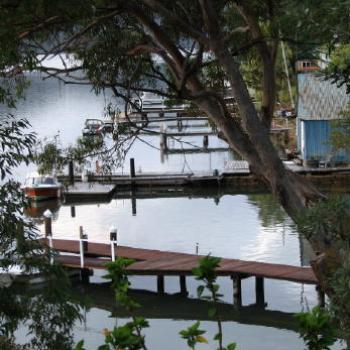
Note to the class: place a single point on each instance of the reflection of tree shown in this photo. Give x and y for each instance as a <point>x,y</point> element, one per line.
<point>48,314</point>
<point>269,210</point>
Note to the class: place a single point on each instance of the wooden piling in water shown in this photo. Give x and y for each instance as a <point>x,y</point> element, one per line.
<point>160,283</point>
<point>183,287</point>
<point>259,292</point>
<point>71,172</point>
<point>237,290</point>
<point>132,167</point>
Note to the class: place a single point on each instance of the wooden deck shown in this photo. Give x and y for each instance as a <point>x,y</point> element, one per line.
<point>161,263</point>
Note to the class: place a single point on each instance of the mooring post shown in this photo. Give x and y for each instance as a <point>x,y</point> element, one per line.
<point>72,212</point>
<point>132,167</point>
<point>320,296</point>
<point>48,231</point>
<point>48,222</point>
<point>160,284</point>
<point>237,290</point>
<point>183,287</point>
<point>205,141</point>
<point>71,172</point>
<point>259,292</point>
<point>113,239</point>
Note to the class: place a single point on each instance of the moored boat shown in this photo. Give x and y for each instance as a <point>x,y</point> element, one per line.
<point>41,187</point>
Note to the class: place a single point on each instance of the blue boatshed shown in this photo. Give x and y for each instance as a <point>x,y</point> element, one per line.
<point>319,105</point>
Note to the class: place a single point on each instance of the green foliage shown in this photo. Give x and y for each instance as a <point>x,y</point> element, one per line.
<point>340,299</point>
<point>15,144</point>
<point>340,136</point>
<point>338,70</point>
<point>128,336</point>
<point>317,329</point>
<point>205,272</point>
<point>49,159</point>
<point>48,313</point>
<point>193,335</point>
<point>328,221</point>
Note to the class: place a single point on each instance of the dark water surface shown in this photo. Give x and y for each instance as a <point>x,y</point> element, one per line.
<point>245,226</point>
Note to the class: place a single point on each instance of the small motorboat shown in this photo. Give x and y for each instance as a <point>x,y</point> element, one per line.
<point>41,187</point>
<point>92,127</point>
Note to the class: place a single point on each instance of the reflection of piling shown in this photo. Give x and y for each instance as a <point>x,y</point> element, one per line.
<point>320,296</point>
<point>71,172</point>
<point>163,142</point>
<point>179,125</point>
<point>133,204</point>
<point>205,141</point>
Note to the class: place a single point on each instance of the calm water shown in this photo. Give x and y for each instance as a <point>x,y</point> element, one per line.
<point>251,227</point>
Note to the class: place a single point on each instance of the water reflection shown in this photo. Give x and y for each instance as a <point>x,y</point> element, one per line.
<point>46,313</point>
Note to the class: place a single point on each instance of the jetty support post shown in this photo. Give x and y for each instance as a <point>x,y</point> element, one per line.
<point>113,239</point>
<point>160,284</point>
<point>48,231</point>
<point>71,172</point>
<point>237,290</point>
<point>132,168</point>
<point>183,287</point>
<point>259,292</point>
<point>320,296</point>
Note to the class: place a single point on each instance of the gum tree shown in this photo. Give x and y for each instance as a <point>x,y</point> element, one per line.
<point>183,50</point>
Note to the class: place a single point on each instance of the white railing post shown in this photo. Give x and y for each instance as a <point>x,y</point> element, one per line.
<point>82,240</point>
<point>113,239</point>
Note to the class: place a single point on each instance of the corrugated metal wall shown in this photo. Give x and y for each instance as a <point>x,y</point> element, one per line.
<point>314,141</point>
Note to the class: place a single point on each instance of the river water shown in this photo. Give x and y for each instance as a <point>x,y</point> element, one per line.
<point>244,226</point>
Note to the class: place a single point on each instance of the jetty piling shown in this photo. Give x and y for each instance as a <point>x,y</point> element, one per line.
<point>160,284</point>
<point>183,287</point>
<point>71,172</point>
<point>259,292</point>
<point>237,290</point>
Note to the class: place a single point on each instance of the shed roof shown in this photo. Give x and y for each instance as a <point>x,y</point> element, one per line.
<point>319,99</point>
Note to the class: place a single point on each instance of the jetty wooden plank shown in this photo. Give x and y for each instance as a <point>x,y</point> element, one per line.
<point>156,262</point>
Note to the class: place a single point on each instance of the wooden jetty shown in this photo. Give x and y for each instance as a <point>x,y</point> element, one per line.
<point>88,255</point>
